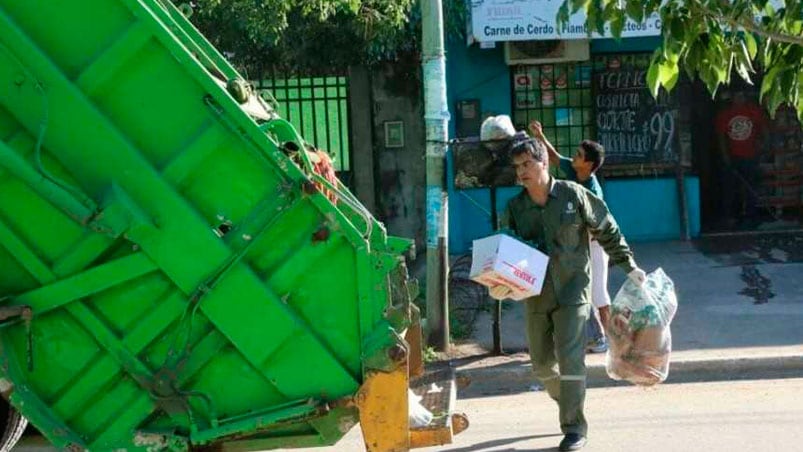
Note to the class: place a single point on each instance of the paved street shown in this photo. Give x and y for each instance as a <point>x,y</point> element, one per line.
<point>725,416</point>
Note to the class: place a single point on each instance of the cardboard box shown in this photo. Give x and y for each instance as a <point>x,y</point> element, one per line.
<point>501,259</point>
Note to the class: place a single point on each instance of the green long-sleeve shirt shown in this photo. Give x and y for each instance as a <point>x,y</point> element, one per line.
<point>561,230</point>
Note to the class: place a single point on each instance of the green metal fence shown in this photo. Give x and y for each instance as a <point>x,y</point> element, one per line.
<point>318,107</point>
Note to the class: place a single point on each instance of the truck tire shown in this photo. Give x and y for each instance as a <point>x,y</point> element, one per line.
<point>14,423</point>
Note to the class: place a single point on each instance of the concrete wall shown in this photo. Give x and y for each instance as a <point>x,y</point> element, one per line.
<point>473,73</point>
<point>400,172</point>
<point>648,209</point>
<point>362,138</point>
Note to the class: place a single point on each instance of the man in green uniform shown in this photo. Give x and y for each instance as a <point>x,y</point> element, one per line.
<point>557,217</point>
<point>582,168</point>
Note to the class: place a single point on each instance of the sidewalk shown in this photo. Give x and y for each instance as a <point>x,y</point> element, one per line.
<point>740,315</point>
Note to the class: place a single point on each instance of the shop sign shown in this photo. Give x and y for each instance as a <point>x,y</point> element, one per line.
<point>521,20</point>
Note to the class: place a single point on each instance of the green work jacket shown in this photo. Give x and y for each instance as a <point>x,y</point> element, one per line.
<point>561,230</point>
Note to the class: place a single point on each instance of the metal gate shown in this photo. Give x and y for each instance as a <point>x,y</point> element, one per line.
<point>317,105</point>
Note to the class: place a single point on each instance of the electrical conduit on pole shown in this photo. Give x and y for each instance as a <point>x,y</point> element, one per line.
<point>436,118</point>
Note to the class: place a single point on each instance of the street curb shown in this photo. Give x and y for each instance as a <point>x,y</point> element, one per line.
<point>740,364</point>
<point>517,375</point>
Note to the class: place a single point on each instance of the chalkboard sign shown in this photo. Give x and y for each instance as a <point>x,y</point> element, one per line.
<point>634,127</point>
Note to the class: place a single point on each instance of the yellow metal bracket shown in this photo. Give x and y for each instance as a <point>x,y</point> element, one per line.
<point>382,401</point>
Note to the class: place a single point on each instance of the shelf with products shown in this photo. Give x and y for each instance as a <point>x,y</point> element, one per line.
<point>783,183</point>
<point>559,97</point>
<point>777,201</point>
<point>781,163</point>
<point>788,172</point>
<point>784,153</point>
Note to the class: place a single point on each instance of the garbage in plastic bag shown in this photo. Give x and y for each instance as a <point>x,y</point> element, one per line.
<point>497,133</point>
<point>418,415</point>
<point>496,128</point>
<point>640,340</point>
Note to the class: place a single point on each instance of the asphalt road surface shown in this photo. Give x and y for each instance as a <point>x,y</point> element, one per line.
<point>725,416</point>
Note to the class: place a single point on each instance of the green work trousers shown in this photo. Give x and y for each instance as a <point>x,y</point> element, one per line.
<point>556,336</point>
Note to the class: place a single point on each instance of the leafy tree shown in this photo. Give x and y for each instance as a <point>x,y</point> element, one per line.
<point>309,34</point>
<point>315,35</point>
<point>713,38</point>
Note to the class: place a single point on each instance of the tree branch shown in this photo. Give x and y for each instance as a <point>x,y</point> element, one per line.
<point>748,25</point>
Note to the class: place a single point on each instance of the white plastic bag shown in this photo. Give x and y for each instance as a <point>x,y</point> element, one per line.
<point>497,131</point>
<point>418,415</point>
<point>640,341</point>
<point>497,128</point>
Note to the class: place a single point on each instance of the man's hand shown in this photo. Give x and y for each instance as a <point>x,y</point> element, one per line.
<point>536,130</point>
<point>638,276</point>
<point>499,292</point>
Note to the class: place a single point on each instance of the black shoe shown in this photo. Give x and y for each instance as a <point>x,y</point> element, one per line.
<point>572,441</point>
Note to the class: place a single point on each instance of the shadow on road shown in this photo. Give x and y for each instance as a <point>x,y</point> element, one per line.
<point>515,378</point>
<point>488,445</point>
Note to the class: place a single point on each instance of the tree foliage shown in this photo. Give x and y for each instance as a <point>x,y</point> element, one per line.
<point>294,34</point>
<point>711,39</point>
<point>315,35</point>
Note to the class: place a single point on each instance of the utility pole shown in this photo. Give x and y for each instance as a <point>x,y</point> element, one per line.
<point>436,118</point>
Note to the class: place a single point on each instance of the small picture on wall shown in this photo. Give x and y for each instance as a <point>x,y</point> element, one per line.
<point>394,134</point>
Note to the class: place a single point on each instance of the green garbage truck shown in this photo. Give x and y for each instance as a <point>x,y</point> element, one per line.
<point>174,272</point>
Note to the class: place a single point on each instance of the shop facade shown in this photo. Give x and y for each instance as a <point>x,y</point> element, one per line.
<point>659,152</point>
